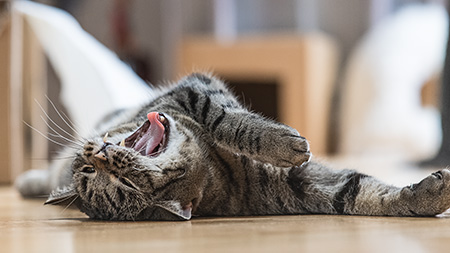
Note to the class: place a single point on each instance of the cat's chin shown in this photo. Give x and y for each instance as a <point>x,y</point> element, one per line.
<point>151,138</point>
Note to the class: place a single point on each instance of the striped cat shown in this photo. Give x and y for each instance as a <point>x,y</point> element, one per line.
<point>195,151</point>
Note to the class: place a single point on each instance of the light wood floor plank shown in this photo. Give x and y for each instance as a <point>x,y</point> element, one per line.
<point>28,226</point>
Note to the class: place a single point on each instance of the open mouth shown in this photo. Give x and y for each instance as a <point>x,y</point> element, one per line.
<point>152,137</point>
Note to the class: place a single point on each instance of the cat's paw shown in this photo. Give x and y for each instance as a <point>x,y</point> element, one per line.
<point>431,196</point>
<point>33,183</point>
<point>287,148</point>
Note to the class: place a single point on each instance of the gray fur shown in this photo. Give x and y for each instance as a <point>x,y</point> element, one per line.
<point>220,160</point>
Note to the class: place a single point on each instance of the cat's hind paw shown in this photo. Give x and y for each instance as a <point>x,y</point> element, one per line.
<point>33,183</point>
<point>429,197</point>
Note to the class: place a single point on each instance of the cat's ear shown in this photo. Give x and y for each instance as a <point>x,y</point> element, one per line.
<point>174,207</point>
<point>64,196</point>
<point>167,211</point>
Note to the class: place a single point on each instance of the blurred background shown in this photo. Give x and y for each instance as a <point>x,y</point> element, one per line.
<point>153,29</point>
<point>356,77</point>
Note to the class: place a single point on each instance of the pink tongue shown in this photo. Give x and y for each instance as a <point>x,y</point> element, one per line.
<point>154,135</point>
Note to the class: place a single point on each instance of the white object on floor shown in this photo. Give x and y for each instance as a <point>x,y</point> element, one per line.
<point>381,103</point>
<point>94,82</point>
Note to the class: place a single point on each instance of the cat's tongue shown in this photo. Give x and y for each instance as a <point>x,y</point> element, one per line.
<point>152,137</point>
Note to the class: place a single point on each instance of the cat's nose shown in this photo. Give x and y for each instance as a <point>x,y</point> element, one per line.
<point>101,154</point>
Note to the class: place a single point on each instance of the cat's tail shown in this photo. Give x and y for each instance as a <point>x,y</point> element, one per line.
<point>34,183</point>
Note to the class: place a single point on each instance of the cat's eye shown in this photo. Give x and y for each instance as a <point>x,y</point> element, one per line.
<point>88,169</point>
<point>126,182</point>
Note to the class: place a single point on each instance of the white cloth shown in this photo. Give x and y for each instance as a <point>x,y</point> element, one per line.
<point>94,81</point>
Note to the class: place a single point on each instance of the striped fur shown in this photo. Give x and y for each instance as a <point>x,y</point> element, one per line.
<point>222,160</point>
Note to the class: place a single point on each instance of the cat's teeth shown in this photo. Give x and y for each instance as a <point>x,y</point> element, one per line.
<point>106,137</point>
<point>162,119</point>
<point>122,143</point>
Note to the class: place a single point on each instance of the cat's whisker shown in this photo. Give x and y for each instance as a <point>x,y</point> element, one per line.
<point>155,165</point>
<point>125,156</point>
<point>94,132</point>
<point>58,135</point>
<point>134,142</point>
<point>70,123</point>
<point>38,159</point>
<point>42,196</point>
<point>63,158</point>
<point>139,151</point>
<point>159,168</point>
<point>130,213</point>
<point>134,156</point>
<point>113,197</point>
<point>62,153</point>
<point>46,159</point>
<point>75,123</point>
<point>71,202</point>
<point>137,154</point>
<point>48,117</point>
<point>49,139</point>
<point>64,138</point>
<point>160,151</point>
<point>61,200</point>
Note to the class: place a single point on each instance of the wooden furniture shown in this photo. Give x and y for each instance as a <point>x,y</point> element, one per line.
<point>303,68</point>
<point>22,82</point>
<point>5,68</point>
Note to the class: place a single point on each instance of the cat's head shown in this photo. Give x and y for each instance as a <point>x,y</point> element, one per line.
<point>149,173</point>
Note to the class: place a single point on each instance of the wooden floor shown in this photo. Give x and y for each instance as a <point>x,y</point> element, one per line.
<point>28,226</point>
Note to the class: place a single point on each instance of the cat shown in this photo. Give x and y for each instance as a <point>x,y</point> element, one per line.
<point>196,151</point>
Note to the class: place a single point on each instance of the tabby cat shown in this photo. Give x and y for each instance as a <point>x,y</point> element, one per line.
<point>195,151</point>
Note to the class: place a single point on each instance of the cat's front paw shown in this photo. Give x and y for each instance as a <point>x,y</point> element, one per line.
<point>431,196</point>
<point>296,150</point>
<point>287,148</point>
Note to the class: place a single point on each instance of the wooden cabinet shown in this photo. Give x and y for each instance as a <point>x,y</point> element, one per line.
<point>303,67</point>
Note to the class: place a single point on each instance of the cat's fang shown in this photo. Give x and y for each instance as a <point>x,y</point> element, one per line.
<point>105,137</point>
<point>122,143</point>
<point>162,118</point>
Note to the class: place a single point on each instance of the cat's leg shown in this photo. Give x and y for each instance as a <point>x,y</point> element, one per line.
<point>321,190</point>
<point>39,183</point>
<point>34,183</point>
<point>261,139</point>
<point>236,129</point>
